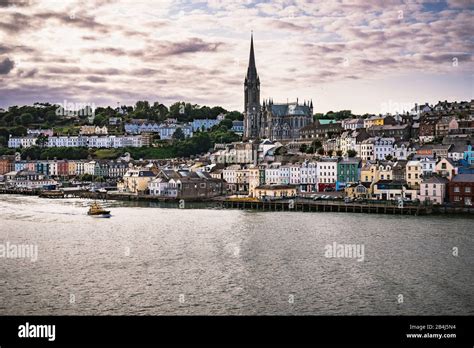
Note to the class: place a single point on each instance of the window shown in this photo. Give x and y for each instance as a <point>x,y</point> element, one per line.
<point>467,189</point>
<point>456,189</point>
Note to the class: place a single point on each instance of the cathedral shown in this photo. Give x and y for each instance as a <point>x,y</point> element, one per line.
<point>269,120</point>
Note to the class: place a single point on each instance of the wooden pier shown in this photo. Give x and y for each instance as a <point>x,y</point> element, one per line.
<point>333,206</point>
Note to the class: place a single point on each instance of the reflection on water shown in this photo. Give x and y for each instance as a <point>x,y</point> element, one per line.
<point>150,260</point>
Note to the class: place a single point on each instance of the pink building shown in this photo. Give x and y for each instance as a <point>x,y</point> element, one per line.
<point>433,190</point>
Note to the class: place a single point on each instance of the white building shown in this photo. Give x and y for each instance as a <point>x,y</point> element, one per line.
<point>23,142</point>
<point>295,174</point>
<point>163,187</point>
<point>353,123</point>
<point>383,147</point>
<point>272,174</point>
<point>367,149</point>
<point>327,171</point>
<point>308,177</point>
<point>456,152</point>
<point>428,166</point>
<point>285,174</point>
<point>89,167</point>
<point>166,131</point>
<point>229,174</point>
<point>80,167</point>
<point>403,149</point>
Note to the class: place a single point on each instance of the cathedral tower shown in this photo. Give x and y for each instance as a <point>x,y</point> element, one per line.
<point>252,109</point>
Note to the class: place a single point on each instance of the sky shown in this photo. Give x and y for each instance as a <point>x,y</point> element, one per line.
<point>363,55</point>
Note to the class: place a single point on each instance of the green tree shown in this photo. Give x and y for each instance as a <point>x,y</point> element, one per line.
<point>8,119</point>
<point>351,153</point>
<point>235,116</point>
<point>178,134</point>
<point>303,148</point>
<point>26,119</point>
<point>216,111</point>
<point>51,117</point>
<point>19,131</point>
<point>339,153</point>
<point>42,140</point>
<point>100,120</point>
<point>227,123</point>
<point>316,144</point>
<point>321,151</point>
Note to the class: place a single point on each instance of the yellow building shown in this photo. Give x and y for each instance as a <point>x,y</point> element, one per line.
<point>256,177</point>
<point>368,172</point>
<point>275,191</point>
<point>89,130</point>
<point>413,175</point>
<point>136,180</point>
<point>72,167</point>
<point>385,171</point>
<point>373,172</point>
<point>373,121</point>
<point>361,190</point>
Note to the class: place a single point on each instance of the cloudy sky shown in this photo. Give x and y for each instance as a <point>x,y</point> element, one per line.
<point>363,55</point>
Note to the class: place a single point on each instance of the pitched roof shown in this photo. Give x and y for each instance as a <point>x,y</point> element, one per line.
<point>290,109</point>
<point>435,180</point>
<point>463,178</point>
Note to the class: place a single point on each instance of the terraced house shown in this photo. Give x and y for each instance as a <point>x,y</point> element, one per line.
<point>461,190</point>
<point>348,172</point>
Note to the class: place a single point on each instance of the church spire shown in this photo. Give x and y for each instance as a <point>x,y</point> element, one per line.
<point>252,107</point>
<point>252,69</point>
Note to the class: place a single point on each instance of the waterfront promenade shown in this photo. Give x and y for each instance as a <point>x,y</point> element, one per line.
<point>297,204</point>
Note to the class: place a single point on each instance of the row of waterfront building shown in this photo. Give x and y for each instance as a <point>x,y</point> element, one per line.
<point>423,177</point>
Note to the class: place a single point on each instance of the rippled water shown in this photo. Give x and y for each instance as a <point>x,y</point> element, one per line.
<point>147,260</point>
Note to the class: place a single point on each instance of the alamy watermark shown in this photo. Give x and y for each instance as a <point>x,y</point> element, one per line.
<point>69,109</point>
<point>37,331</point>
<point>351,251</point>
<point>393,108</point>
<point>19,251</point>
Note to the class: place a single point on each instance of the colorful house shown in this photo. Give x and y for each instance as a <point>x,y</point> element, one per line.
<point>461,190</point>
<point>433,190</point>
<point>348,172</point>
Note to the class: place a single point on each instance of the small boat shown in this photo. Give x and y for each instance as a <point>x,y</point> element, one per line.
<point>97,211</point>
